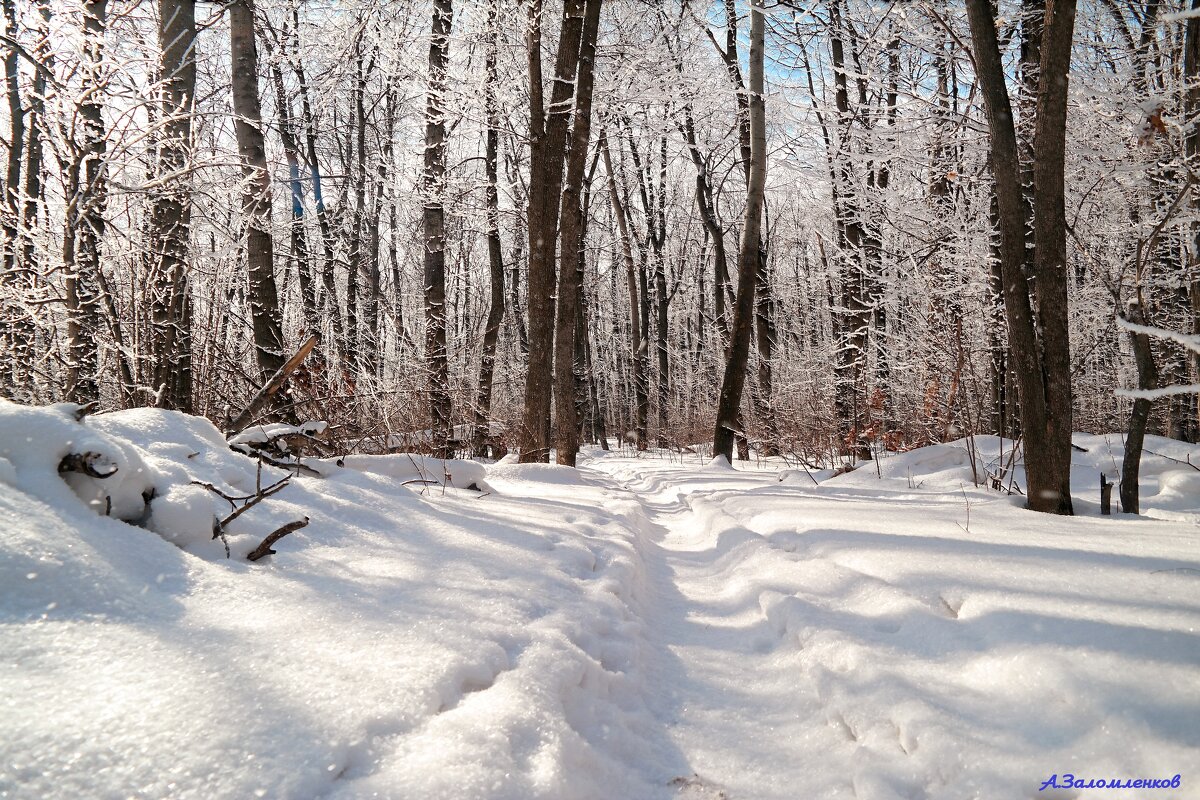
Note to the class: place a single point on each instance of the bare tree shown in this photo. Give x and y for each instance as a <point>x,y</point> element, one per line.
<point>256,191</point>
<point>434,217</point>
<point>734,380</point>
<point>1041,352</point>
<point>570,277</point>
<point>170,217</point>
<point>547,152</point>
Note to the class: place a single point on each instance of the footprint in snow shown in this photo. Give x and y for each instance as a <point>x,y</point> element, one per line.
<point>697,788</point>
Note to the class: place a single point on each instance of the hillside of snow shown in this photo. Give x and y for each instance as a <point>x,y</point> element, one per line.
<point>637,628</point>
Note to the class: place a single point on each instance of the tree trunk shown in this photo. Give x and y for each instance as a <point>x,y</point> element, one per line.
<point>85,219</point>
<point>433,187</point>
<point>1140,414</point>
<point>637,330</point>
<point>171,214</point>
<point>1045,401</point>
<point>1191,75</point>
<point>332,307</point>
<point>748,257</point>
<point>1050,256</point>
<point>495,317</point>
<point>570,277</point>
<point>256,197</point>
<point>547,151</point>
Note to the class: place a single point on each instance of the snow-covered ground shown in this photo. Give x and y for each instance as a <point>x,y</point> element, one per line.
<point>639,628</point>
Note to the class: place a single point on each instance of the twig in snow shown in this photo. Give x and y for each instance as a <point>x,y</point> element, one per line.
<point>264,549</point>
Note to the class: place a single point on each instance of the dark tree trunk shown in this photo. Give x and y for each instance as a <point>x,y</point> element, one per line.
<point>256,197</point>
<point>1041,362</point>
<point>748,258</point>
<point>1191,73</point>
<point>433,179</point>
<point>570,278</point>
<point>1140,414</point>
<point>547,148</point>
<point>495,317</point>
<point>171,214</point>
<point>14,334</point>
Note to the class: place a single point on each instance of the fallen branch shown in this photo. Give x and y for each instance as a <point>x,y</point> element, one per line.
<point>83,410</point>
<point>264,549</point>
<point>272,387</point>
<point>255,500</point>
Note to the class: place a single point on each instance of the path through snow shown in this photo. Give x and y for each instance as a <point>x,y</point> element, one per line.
<point>865,641</point>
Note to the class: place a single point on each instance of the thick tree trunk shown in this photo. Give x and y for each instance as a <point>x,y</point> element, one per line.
<point>256,197</point>
<point>748,257</point>
<point>1044,380</point>
<point>433,181</point>
<point>1191,74</point>
<point>85,219</point>
<point>570,277</point>
<point>171,214</point>
<point>1050,256</point>
<point>547,149</point>
<point>15,336</point>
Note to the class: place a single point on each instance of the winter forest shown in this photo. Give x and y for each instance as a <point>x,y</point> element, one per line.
<point>480,208</point>
<point>599,398</point>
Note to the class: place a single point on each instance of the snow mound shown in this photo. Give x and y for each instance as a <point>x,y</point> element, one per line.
<point>407,643</point>
<point>409,468</point>
<point>534,473</point>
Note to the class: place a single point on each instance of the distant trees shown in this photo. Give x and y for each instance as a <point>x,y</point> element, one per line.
<point>928,262</point>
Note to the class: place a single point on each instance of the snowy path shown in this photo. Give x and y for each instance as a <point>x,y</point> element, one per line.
<point>821,646</point>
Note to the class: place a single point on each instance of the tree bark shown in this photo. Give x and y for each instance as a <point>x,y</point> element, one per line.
<point>570,276</point>
<point>85,219</point>
<point>1140,414</point>
<point>1041,362</point>
<point>495,317</point>
<point>433,180</point>
<point>171,214</point>
<point>256,198</point>
<point>547,146</point>
<point>748,257</point>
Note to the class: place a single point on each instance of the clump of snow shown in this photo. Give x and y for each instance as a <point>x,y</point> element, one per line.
<point>34,441</point>
<point>534,473</point>
<point>184,515</point>
<point>261,434</point>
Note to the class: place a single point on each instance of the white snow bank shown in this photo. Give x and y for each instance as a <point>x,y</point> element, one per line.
<point>408,643</point>
<point>942,467</point>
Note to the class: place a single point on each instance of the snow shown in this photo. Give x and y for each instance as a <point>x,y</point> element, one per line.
<point>637,628</point>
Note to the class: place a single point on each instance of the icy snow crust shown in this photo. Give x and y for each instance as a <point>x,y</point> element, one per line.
<point>636,629</point>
